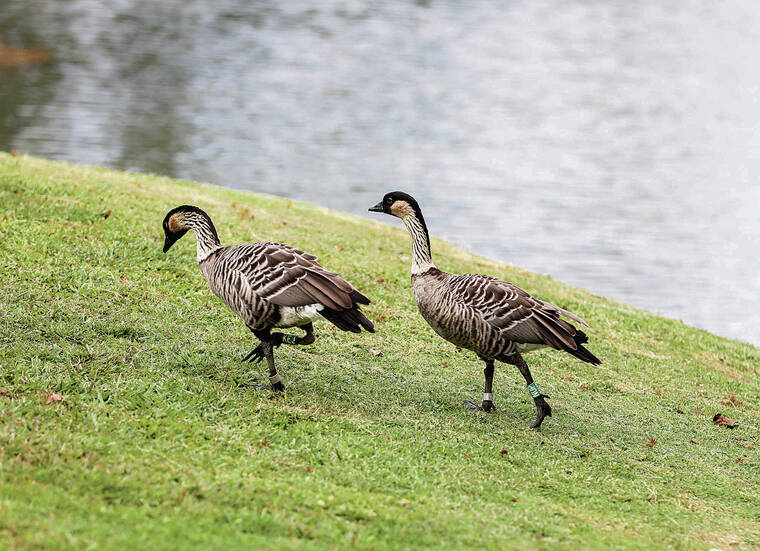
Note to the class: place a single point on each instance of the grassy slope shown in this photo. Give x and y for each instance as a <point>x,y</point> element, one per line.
<point>156,446</point>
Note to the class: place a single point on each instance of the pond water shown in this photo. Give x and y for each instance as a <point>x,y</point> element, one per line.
<point>613,145</point>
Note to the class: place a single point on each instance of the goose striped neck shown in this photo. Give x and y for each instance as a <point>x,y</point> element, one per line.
<point>422,260</point>
<point>207,240</point>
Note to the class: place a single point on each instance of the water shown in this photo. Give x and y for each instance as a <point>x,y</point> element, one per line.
<point>613,145</point>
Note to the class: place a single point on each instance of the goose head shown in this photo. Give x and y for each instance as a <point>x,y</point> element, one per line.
<point>176,223</point>
<point>399,204</point>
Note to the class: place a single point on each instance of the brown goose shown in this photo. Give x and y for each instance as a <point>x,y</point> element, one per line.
<point>269,285</point>
<point>495,319</point>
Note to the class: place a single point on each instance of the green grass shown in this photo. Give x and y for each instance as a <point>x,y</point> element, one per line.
<point>156,446</point>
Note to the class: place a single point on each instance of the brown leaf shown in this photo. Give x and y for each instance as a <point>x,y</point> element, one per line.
<point>53,397</point>
<point>693,441</point>
<point>375,352</point>
<point>651,442</point>
<point>679,411</point>
<point>503,452</point>
<point>740,438</point>
<point>718,419</point>
<point>7,393</point>
<point>468,456</point>
<point>106,214</point>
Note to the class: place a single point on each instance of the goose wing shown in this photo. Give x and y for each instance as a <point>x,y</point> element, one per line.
<point>517,315</point>
<point>287,276</point>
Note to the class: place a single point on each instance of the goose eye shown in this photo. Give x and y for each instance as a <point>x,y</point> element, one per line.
<point>388,200</point>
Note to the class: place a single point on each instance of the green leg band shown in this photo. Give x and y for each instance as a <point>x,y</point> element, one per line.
<point>535,392</point>
<point>289,339</point>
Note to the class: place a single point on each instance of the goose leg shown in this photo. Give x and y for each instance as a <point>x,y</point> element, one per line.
<point>487,404</point>
<point>266,350</point>
<point>308,338</point>
<point>274,377</point>
<point>488,392</point>
<point>544,410</point>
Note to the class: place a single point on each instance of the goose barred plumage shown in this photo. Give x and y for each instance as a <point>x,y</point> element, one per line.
<point>495,319</point>
<point>269,285</point>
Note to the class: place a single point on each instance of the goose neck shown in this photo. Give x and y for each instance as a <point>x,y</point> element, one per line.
<point>422,260</point>
<point>206,238</point>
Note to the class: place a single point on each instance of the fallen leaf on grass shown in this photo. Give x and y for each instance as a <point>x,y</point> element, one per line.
<point>679,411</point>
<point>468,456</point>
<point>7,394</point>
<point>53,397</point>
<point>693,441</point>
<point>106,214</point>
<point>651,442</point>
<point>503,452</point>
<point>740,438</point>
<point>718,419</point>
<point>375,352</point>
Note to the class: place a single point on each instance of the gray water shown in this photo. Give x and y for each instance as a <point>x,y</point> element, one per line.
<point>613,145</point>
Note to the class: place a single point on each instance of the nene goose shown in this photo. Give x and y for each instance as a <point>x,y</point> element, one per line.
<point>493,318</point>
<point>269,285</point>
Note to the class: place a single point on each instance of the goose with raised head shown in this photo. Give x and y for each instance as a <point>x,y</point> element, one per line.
<point>495,319</point>
<point>269,285</point>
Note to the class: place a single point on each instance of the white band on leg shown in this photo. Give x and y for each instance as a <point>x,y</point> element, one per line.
<point>274,379</point>
<point>488,396</point>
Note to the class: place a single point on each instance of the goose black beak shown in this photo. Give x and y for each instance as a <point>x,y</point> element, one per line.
<point>169,241</point>
<point>377,208</point>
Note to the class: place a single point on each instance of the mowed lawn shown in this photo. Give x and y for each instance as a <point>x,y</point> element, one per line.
<point>125,422</point>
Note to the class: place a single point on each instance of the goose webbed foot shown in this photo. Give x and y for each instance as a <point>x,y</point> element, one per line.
<point>255,355</point>
<point>543,409</point>
<point>485,405</point>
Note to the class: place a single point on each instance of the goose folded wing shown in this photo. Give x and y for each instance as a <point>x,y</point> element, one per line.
<point>517,315</point>
<point>287,276</point>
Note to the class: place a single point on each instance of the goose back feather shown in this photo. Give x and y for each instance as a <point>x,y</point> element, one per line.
<point>258,280</point>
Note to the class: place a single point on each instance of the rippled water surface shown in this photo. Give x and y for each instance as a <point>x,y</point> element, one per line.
<point>613,145</point>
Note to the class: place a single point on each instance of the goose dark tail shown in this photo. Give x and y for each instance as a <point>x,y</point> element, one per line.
<point>348,320</point>
<point>582,353</point>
